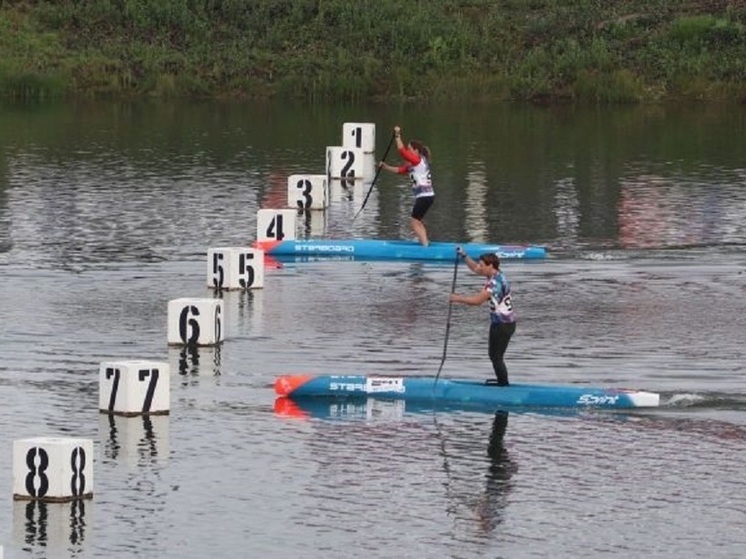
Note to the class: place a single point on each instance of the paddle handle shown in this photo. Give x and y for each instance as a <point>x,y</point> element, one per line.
<point>375,177</point>
<point>448,319</point>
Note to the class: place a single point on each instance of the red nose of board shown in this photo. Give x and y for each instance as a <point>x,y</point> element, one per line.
<point>286,384</point>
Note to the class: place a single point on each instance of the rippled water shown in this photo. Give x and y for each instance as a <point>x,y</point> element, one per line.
<point>102,224</point>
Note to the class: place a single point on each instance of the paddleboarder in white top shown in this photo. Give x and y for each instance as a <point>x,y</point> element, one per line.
<point>417,164</point>
<point>502,314</point>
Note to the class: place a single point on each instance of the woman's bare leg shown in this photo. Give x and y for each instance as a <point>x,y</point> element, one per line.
<point>419,230</point>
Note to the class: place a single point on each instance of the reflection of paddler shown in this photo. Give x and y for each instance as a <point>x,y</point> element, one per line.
<point>642,217</point>
<point>496,448</point>
<point>491,506</point>
<point>277,194</point>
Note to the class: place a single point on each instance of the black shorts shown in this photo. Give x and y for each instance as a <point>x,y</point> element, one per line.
<point>421,205</point>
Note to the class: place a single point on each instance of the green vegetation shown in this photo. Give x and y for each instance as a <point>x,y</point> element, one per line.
<point>359,50</point>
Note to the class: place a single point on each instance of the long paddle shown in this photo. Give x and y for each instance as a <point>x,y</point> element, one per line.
<point>375,177</point>
<point>448,320</point>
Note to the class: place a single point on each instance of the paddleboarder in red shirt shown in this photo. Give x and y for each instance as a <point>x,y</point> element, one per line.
<point>416,157</point>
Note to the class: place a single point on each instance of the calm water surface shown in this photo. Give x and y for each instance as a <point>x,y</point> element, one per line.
<point>106,213</point>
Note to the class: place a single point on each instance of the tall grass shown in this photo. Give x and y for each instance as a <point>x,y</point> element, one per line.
<point>540,50</point>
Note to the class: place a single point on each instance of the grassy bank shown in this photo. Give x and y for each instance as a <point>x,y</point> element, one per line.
<point>385,50</point>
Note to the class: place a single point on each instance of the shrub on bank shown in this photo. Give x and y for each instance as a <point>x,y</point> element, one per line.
<point>538,50</point>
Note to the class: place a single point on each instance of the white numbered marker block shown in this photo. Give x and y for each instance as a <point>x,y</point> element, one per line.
<point>307,192</point>
<point>195,321</point>
<point>276,225</point>
<point>370,167</point>
<point>52,469</point>
<point>345,163</point>
<point>361,135</point>
<point>134,387</point>
<point>235,268</point>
